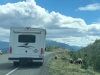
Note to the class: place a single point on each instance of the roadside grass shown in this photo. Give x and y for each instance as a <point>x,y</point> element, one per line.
<point>61,66</point>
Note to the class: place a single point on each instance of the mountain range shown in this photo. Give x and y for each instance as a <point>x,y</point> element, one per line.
<point>4,46</point>
<point>63,45</point>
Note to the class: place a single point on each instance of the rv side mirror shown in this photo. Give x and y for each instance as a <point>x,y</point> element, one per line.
<point>45,49</point>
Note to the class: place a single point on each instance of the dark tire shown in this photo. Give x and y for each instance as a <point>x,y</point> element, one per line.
<point>16,63</point>
<point>40,63</point>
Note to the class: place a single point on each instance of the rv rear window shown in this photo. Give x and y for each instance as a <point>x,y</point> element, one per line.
<point>27,38</point>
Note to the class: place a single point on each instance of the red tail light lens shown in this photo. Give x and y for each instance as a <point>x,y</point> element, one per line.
<point>10,50</point>
<point>41,50</point>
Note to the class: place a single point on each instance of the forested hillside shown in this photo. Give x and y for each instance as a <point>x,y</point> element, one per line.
<point>90,55</point>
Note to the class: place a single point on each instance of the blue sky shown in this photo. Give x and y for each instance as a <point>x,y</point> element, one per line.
<point>66,7</point>
<point>66,21</point>
<point>2,2</point>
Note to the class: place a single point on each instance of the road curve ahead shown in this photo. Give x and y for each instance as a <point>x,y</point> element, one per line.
<point>7,68</point>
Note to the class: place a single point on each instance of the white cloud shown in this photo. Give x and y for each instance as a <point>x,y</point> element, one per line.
<point>79,41</point>
<point>73,31</point>
<point>4,34</point>
<point>90,7</point>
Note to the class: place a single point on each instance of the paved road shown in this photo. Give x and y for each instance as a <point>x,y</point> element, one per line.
<point>7,68</point>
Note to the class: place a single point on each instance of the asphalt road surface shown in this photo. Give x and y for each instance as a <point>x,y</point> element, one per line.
<point>7,68</point>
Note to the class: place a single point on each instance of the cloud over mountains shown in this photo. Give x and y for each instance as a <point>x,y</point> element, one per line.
<point>62,28</point>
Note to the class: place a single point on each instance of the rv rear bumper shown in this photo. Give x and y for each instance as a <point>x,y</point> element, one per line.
<point>25,58</point>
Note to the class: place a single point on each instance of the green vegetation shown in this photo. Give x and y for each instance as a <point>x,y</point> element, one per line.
<point>52,48</point>
<point>61,66</point>
<point>90,56</point>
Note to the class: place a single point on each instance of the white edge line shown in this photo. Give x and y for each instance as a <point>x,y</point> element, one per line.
<point>12,71</point>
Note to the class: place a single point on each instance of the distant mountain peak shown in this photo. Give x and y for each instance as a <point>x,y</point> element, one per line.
<point>63,45</point>
<point>5,45</point>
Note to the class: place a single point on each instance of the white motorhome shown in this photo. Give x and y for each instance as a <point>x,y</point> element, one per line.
<point>27,45</point>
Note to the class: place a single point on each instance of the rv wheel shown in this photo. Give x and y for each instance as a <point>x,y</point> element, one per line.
<point>40,63</point>
<point>16,63</point>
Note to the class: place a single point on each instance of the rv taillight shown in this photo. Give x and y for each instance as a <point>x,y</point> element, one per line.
<point>41,50</point>
<point>10,50</point>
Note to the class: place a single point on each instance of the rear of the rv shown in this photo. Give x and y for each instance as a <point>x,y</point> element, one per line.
<point>27,45</point>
